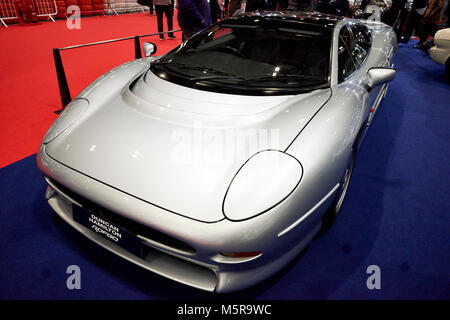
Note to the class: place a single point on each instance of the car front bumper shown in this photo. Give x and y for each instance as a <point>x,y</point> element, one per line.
<point>204,268</point>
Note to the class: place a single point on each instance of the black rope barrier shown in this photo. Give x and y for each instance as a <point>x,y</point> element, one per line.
<point>63,86</point>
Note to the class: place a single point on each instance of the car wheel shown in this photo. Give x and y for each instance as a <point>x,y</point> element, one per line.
<point>333,211</point>
<point>447,69</point>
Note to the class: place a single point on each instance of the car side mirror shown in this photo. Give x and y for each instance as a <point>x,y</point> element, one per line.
<point>377,76</point>
<point>149,48</point>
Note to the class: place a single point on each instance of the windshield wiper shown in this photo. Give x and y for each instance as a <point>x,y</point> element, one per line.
<point>195,67</point>
<point>228,76</point>
<point>279,76</point>
<point>261,77</point>
<point>212,77</point>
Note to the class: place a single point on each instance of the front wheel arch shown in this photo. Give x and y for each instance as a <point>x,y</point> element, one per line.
<point>333,211</point>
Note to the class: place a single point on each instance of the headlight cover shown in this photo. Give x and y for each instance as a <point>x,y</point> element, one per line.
<point>70,114</point>
<point>264,181</point>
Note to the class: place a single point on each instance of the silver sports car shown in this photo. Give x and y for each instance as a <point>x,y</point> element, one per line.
<point>215,164</point>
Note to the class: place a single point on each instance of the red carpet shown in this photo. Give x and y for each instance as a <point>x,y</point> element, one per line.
<point>28,86</point>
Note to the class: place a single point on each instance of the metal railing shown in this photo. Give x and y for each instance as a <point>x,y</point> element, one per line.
<point>49,9</point>
<point>123,6</point>
<point>63,86</point>
<point>7,11</point>
<point>46,8</point>
<point>105,9</point>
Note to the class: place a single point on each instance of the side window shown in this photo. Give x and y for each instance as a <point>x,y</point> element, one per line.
<point>361,43</point>
<point>346,66</point>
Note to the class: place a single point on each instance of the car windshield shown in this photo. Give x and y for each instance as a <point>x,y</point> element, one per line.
<point>255,57</point>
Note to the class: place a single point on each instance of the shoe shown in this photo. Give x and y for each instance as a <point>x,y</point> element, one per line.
<point>161,38</point>
<point>171,37</point>
<point>418,46</point>
<point>425,47</point>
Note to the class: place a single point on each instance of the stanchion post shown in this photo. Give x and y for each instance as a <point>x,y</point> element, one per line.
<point>62,81</point>
<point>137,48</point>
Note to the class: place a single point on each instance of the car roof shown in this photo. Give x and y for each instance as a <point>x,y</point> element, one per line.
<point>313,18</point>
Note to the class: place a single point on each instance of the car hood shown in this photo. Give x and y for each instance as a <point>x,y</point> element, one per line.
<point>177,147</point>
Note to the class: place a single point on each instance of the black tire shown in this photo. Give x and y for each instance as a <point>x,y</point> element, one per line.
<point>333,211</point>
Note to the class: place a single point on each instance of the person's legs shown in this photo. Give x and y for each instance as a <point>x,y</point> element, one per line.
<point>392,14</point>
<point>403,16</point>
<point>426,29</point>
<point>432,29</point>
<point>225,8</point>
<point>151,6</point>
<point>168,11</point>
<point>159,18</point>
<point>412,23</point>
<point>422,33</point>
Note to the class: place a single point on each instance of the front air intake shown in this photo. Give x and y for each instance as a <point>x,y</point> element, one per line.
<point>129,225</point>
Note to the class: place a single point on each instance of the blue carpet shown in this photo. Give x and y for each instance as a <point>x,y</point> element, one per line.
<point>396,216</point>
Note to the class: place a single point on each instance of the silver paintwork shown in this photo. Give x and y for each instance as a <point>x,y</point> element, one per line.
<point>377,76</point>
<point>117,153</point>
<point>149,48</point>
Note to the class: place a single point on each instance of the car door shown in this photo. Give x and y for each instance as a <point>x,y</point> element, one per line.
<point>361,50</point>
<point>346,63</point>
<point>355,43</point>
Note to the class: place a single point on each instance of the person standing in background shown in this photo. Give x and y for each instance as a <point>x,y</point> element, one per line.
<point>336,7</point>
<point>281,5</point>
<point>393,14</point>
<point>272,5</point>
<point>254,5</point>
<point>300,5</point>
<point>225,8</point>
<point>428,24</point>
<point>193,16</point>
<point>164,7</point>
<point>215,10</point>
<point>236,7</point>
<point>417,10</point>
<point>447,13</point>
<point>26,11</point>
<point>150,5</point>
